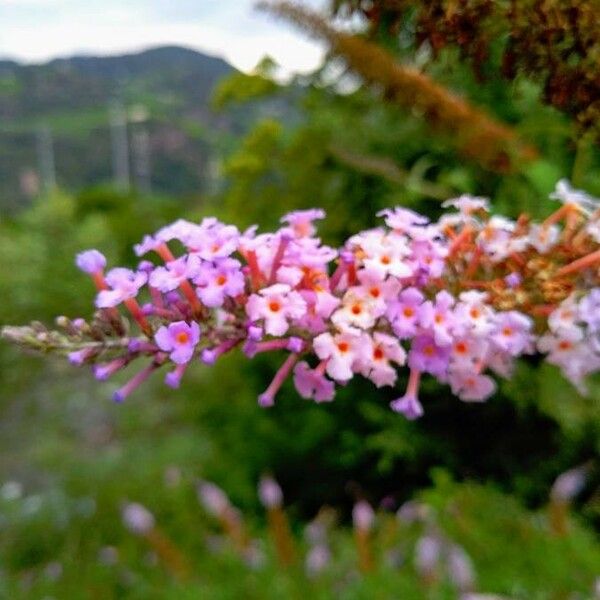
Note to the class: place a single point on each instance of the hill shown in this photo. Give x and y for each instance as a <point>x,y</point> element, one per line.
<point>76,113</point>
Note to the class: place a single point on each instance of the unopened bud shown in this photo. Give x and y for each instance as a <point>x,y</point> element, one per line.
<point>213,498</point>
<point>137,518</point>
<point>270,493</point>
<point>363,515</point>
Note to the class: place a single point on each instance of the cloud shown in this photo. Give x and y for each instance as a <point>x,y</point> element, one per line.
<point>35,30</point>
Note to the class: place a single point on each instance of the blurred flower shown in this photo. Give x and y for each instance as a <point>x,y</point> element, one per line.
<point>137,518</point>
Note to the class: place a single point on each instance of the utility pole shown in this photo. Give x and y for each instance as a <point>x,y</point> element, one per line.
<point>45,152</point>
<point>119,146</point>
<point>140,143</point>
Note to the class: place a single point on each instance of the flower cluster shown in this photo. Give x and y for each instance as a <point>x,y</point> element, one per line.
<point>458,299</point>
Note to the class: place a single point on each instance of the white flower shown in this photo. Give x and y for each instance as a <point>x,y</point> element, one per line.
<point>566,194</point>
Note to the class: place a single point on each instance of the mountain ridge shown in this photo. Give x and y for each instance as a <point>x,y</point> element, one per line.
<point>65,105</point>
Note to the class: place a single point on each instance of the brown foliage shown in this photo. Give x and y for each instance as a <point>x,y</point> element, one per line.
<point>476,134</point>
<point>555,42</point>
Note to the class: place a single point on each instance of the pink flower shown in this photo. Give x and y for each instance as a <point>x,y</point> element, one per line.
<point>380,290</point>
<point>270,493</point>
<point>174,273</point>
<point>544,238</point>
<point>512,332</point>
<point>409,406</point>
<point>340,351</point>
<point>438,317</point>
<point>473,315</point>
<point>386,255</point>
<point>564,320</point>
<point>363,516</point>
<point>358,310</point>
<point>91,261</point>
<point>179,339</point>
<point>471,387</point>
<point>467,204</point>
<point>220,241</point>
<point>566,194</point>
<point>125,284</point>
<point>468,353</point>
<point>277,305</point>
<point>220,280</point>
<point>376,362</point>
<point>404,313</point>
<point>589,309</point>
<point>180,230</point>
<point>312,383</point>
<point>402,220</point>
<point>427,257</point>
<point>148,244</point>
<point>426,355</point>
<point>301,221</point>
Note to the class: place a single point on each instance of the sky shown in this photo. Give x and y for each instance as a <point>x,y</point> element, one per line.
<point>37,30</point>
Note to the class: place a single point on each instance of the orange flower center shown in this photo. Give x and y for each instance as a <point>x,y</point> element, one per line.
<point>378,354</point>
<point>474,312</point>
<point>375,292</point>
<point>408,311</point>
<point>182,337</point>
<point>507,331</point>
<point>439,318</point>
<point>461,348</point>
<point>356,309</point>
<point>429,350</point>
<point>385,260</point>
<point>565,345</point>
<point>221,280</point>
<point>274,306</point>
<point>343,346</point>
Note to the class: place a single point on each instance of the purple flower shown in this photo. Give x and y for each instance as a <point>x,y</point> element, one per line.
<point>301,221</point>
<point>79,357</point>
<point>180,230</point>
<point>91,261</point>
<point>408,405</point>
<point>426,355</point>
<point>363,515</point>
<point>376,363</point>
<point>219,280</point>
<point>428,257</point>
<point>179,339</point>
<point>125,284</point>
<point>174,273</point>
<point>404,313</point>
<point>341,352</point>
<point>311,383</point>
<point>566,194</point>
<point>270,493</point>
<point>137,518</point>
<point>277,305</point>
<point>468,204</point>
<point>513,280</point>
<point>589,309</point>
<point>147,245</point>
<point>471,387</point>
<point>173,378</point>
<point>512,333</point>
<point>438,317</point>
<point>402,220</point>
